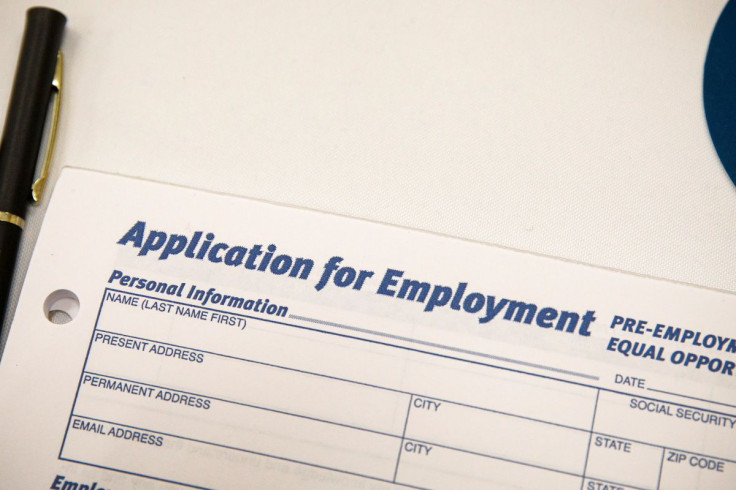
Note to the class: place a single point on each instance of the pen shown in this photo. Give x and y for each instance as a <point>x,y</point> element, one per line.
<point>37,76</point>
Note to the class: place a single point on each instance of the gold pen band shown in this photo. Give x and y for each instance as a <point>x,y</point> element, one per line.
<point>12,219</point>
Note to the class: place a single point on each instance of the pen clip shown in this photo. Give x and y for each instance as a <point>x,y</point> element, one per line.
<point>40,184</point>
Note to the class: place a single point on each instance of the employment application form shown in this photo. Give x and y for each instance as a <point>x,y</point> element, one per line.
<point>168,337</point>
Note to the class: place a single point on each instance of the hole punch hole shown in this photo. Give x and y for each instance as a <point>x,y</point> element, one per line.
<point>61,306</point>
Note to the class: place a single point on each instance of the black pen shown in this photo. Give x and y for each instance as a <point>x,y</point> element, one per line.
<point>37,76</point>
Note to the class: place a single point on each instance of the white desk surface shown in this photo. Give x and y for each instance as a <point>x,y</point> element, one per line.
<point>570,129</point>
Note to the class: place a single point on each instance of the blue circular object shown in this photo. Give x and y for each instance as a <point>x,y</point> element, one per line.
<point>719,88</point>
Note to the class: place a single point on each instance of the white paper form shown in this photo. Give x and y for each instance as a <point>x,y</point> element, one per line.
<point>220,342</point>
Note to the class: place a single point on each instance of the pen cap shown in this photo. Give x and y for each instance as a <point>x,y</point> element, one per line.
<point>28,106</point>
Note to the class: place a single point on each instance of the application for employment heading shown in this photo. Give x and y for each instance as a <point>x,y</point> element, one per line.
<point>220,342</point>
